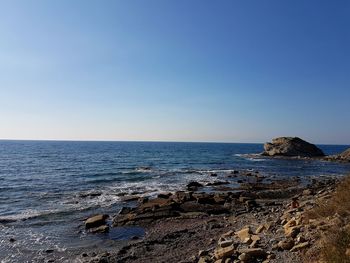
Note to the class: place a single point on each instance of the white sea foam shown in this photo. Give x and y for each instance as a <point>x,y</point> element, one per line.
<point>27,245</point>
<point>144,169</point>
<point>255,160</point>
<point>26,214</point>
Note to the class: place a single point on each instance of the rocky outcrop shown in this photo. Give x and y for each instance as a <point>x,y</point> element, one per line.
<point>291,146</point>
<point>342,157</point>
<point>345,155</point>
<point>174,205</point>
<point>272,231</point>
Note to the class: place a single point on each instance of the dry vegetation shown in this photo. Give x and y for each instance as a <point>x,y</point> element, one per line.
<point>334,246</point>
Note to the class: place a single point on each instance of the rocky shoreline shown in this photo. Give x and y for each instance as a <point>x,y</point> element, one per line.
<point>263,219</point>
<point>254,223</point>
<point>243,215</point>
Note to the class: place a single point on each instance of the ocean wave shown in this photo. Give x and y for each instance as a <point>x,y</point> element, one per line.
<point>255,160</point>
<point>144,188</point>
<point>143,169</point>
<point>209,171</point>
<point>102,174</point>
<point>25,215</point>
<point>103,180</point>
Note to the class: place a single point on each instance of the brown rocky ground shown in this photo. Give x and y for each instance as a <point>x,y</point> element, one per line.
<point>254,224</point>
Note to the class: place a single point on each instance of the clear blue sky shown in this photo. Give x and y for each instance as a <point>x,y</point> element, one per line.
<point>179,70</point>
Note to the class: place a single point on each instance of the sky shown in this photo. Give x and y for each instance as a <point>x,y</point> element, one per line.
<point>175,70</point>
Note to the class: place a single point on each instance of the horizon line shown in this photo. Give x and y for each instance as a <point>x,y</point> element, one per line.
<point>154,141</point>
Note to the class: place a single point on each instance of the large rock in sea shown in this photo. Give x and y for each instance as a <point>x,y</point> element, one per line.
<point>345,155</point>
<point>291,146</point>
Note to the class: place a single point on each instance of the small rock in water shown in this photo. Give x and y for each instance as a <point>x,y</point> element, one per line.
<point>100,229</point>
<point>193,186</point>
<point>95,221</point>
<point>12,240</point>
<point>48,251</point>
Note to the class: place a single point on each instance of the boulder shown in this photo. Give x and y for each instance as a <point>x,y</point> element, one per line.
<point>224,252</point>
<point>307,192</point>
<point>260,229</point>
<point>156,203</point>
<point>193,186</point>
<point>286,244</point>
<point>202,253</point>
<point>244,234</point>
<point>221,198</point>
<point>95,221</point>
<point>291,228</point>
<point>100,229</point>
<point>255,239</point>
<point>193,206</point>
<point>292,231</point>
<point>205,259</point>
<point>253,253</point>
<point>225,243</point>
<point>204,198</point>
<point>181,197</point>
<point>164,195</point>
<point>291,146</point>
<point>244,257</point>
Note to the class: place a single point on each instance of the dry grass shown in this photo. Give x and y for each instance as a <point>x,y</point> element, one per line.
<point>339,203</point>
<point>336,240</point>
<point>334,246</point>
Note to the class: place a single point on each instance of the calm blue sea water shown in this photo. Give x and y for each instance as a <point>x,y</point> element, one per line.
<point>48,187</point>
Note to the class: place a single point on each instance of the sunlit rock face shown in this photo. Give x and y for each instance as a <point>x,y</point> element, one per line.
<point>291,146</point>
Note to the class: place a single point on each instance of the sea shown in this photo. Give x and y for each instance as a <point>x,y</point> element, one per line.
<point>48,188</point>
